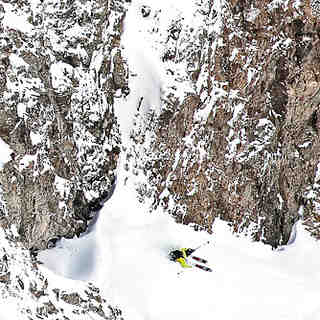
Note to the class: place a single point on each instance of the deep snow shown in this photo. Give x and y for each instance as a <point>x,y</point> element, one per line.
<point>126,251</point>
<point>126,254</point>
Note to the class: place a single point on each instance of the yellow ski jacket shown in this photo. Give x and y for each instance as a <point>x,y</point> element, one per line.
<point>183,260</point>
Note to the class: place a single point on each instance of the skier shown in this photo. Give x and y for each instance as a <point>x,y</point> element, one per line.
<point>181,256</point>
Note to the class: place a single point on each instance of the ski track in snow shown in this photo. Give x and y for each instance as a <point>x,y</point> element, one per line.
<point>126,251</point>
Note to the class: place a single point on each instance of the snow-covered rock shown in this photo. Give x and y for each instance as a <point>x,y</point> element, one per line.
<point>212,107</point>
<point>29,291</point>
<point>238,133</point>
<point>61,67</point>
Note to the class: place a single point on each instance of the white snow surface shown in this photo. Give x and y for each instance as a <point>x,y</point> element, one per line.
<point>14,21</point>
<point>5,152</point>
<point>125,251</point>
<point>8,310</point>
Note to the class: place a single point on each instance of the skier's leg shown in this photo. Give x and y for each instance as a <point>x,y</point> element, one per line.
<point>183,263</point>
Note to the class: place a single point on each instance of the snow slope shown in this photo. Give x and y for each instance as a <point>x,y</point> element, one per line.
<point>126,251</point>
<point>8,310</point>
<point>126,254</point>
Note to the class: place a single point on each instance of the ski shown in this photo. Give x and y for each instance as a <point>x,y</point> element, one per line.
<point>204,268</point>
<point>201,260</point>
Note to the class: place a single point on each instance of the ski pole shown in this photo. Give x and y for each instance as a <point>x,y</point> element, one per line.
<point>201,245</point>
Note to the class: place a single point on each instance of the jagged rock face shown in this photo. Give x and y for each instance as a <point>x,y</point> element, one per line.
<point>242,143</point>
<point>59,76</point>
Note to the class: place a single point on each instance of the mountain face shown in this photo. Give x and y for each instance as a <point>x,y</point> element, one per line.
<point>237,136</point>
<point>61,68</point>
<point>60,71</point>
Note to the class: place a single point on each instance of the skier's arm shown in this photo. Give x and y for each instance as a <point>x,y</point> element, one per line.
<point>186,252</point>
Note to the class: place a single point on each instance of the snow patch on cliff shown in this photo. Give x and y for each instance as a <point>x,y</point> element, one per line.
<point>14,21</point>
<point>5,152</point>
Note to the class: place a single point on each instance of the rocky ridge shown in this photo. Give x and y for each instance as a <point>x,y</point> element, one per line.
<point>238,134</point>
<point>60,73</point>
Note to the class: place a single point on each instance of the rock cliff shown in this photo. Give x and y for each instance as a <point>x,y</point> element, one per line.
<point>60,72</point>
<point>61,67</point>
<point>238,136</point>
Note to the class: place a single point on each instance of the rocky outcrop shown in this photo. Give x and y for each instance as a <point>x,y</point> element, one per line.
<point>242,140</point>
<point>38,294</point>
<point>60,70</point>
